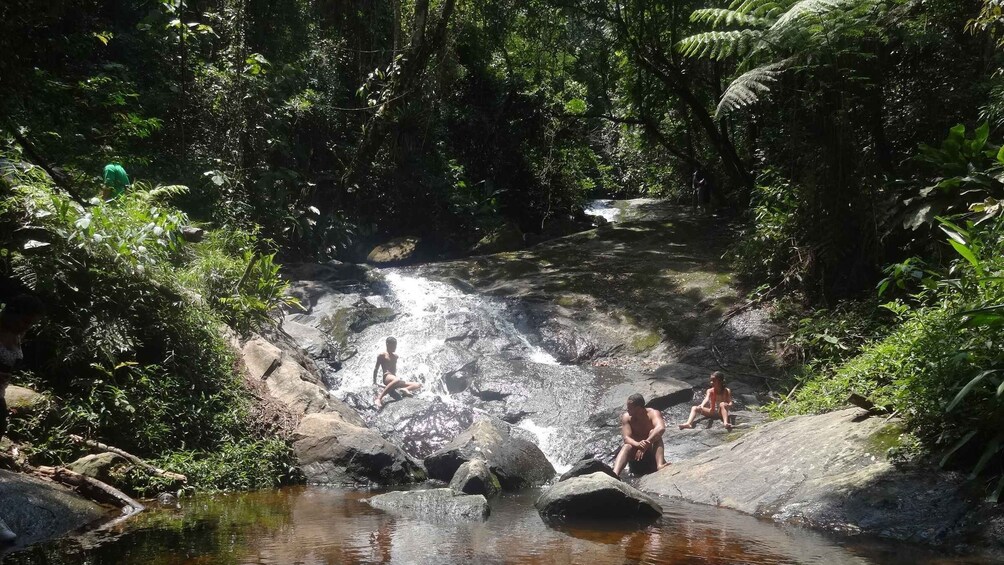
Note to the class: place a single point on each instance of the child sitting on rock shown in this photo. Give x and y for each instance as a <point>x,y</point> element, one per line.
<point>387,361</point>
<point>717,401</point>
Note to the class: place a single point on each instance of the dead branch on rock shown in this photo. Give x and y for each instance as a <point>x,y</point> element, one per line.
<point>89,488</point>
<point>131,458</point>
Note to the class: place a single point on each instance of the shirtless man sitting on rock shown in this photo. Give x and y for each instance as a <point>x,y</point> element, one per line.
<point>642,429</point>
<point>388,362</point>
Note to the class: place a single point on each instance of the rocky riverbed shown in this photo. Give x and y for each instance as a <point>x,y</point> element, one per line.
<point>526,359</point>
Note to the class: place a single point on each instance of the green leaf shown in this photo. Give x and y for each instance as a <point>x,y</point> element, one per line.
<point>958,445</point>
<point>995,496</point>
<point>966,389</point>
<point>968,255</point>
<point>576,106</point>
<point>992,448</point>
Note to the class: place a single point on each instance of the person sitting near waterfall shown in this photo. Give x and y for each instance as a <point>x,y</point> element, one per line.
<point>717,402</point>
<point>642,429</point>
<point>387,361</point>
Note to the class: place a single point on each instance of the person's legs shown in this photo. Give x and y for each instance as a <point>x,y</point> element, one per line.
<point>660,455</point>
<point>724,412</point>
<point>393,383</point>
<point>622,458</point>
<point>693,415</point>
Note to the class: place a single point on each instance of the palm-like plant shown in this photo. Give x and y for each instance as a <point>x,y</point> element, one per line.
<point>767,36</point>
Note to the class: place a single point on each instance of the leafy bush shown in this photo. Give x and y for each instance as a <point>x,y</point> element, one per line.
<point>942,368</point>
<point>131,348</point>
<point>767,248</point>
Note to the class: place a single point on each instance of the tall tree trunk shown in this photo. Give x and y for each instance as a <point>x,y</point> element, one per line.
<point>402,84</point>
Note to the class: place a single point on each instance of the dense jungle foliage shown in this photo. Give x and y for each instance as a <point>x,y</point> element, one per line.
<point>854,144</point>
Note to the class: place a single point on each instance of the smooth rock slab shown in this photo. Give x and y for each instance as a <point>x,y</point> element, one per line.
<point>828,471</point>
<point>597,497</point>
<point>474,477</point>
<point>437,505</point>
<point>332,451</point>
<point>517,462</point>
<point>37,510</point>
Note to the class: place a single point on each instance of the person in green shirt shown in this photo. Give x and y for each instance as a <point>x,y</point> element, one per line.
<point>116,180</point>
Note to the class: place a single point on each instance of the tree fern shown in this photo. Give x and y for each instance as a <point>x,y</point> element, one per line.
<point>717,17</point>
<point>720,44</point>
<point>805,8</point>
<point>748,87</point>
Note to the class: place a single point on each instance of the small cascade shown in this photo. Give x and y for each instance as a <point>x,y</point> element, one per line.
<point>605,209</point>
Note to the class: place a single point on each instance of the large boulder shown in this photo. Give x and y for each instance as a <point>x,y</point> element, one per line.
<point>99,466</point>
<point>517,462</point>
<point>828,471</point>
<point>436,505</point>
<point>397,251</point>
<point>418,425</point>
<point>23,400</point>
<point>291,383</point>
<point>37,510</point>
<point>331,450</point>
<point>474,477</point>
<point>506,238</point>
<point>587,466</point>
<point>597,497</point>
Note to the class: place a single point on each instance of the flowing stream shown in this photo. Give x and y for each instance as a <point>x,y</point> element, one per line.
<point>475,354</point>
<point>325,526</point>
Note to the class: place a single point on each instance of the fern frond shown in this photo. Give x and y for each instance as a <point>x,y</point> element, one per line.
<point>806,8</point>
<point>719,44</point>
<point>761,8</point>
<point>716,17</point>
<point>166,192</point>
<point>25,273</point>
<point>748,87</point>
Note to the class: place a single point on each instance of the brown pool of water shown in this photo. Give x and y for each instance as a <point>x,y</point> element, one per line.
<point>315,526</point>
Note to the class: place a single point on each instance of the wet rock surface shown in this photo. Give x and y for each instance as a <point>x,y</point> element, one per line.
<point>474,477</point>
<point>330,450</point>
<point>434,505</point>
<point>517,462</point>
<point>587,467</point>
<point>597,497</point>
<point>827,471</point>
<point>36,510</point>
<point>418,425</point>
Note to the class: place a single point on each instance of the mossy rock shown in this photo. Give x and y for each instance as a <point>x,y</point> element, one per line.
<point>24,400</point>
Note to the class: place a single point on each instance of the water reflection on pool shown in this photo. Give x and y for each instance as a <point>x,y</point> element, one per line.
<point>313,526</point>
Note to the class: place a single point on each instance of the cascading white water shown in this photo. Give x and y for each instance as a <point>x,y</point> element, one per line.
<point>429,315</point>
<point>605,209</point>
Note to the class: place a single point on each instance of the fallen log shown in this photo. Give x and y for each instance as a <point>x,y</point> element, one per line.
<point>131,458</point>
<point>89,488</point>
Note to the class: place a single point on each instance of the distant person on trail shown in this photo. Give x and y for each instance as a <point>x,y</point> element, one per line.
<point>717,402</point>
<point>642,429</point>
<point>702,188</point>
<point>18,316</point>
<point>116,180</point>
<point>387,361</point>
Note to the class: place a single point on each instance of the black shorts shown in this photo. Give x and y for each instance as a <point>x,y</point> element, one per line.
<point>647,464</point>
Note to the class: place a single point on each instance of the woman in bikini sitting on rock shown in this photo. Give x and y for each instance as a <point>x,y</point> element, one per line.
<point>717,402</point>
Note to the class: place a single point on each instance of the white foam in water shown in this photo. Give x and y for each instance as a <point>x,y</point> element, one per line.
<point>603,208</point>
<point>546,440</point>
